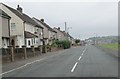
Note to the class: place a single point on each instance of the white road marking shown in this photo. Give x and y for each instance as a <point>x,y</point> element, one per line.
<point>77,62</point>
<point>21,67</point>
<point>28,64</point>
<point>81,54</point>
<point>79,58</point>
<point>84,50</point>
<point>13,70</point>
<point>74,67</point>
<point>37,61</point>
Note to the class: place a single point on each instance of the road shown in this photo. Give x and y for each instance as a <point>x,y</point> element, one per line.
<point>85,61</point>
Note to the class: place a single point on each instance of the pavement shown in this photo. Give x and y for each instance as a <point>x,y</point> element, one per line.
<point>84,61</point>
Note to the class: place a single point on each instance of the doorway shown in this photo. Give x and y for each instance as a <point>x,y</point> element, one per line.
<point>13,42</point>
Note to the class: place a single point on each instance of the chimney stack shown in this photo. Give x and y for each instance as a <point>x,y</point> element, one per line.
<point>42,20</point>
<point>58,28</point>
<point>19,8</point>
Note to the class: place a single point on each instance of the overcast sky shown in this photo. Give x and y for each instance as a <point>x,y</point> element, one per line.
<point>87,19</point>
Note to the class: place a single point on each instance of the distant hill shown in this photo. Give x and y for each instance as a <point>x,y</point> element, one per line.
<point>105,39</point>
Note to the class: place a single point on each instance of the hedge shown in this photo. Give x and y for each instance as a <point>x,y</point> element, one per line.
<point>64,43</point>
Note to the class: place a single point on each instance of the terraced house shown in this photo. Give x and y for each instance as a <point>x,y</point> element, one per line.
<point>4,29</point>
<point>60,34</point>
<point>23,29</point>
<point>67,36</point>
<point>49,34</point>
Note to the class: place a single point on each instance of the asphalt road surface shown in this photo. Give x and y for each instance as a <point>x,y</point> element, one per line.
<point>85,61</point>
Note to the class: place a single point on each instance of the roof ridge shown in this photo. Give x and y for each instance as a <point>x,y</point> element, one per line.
<point>45,24</point>
<point>23,16</point>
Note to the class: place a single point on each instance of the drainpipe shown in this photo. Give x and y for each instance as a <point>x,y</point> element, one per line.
<point>24,33</point>
<point>9,30</point>
<point>43,36</point>
<point>43,47</point>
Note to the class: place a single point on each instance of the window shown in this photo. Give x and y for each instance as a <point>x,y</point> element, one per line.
<point>32,41</point>
<point>37,29</point>
<point>41,33</point>
<point>36,41</point>
<point>29,42</point>
<point>13,26</point>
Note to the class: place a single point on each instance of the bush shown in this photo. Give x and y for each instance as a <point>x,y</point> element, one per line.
<point>54,44</point>
<point>77,41</point>
<point>65,44</point>
<point>43,49</point>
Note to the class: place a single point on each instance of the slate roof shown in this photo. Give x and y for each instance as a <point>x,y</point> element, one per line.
<point>70,36</point>
<point>58,29</point>
<point>64,33</point>
<point>23,16</point>
<point>29,35</point>
<point>45,25</point>
<point>67,34</point>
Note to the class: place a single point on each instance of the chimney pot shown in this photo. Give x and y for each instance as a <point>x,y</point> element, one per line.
<point>19,8</point>
<point>58,28</point>
<point>42,20</point>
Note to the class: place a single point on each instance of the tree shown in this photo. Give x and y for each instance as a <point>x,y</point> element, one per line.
<point>77,41</point>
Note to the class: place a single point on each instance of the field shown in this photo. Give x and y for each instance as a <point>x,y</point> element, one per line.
<point>111,46</point>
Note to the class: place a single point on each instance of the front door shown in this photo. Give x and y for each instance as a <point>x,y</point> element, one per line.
<point>28,42</point>
<point>13,42</point>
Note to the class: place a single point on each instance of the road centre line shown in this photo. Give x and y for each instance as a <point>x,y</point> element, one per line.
<point>74,67</point>
<point>79,58</point>
<point>34,62</point>
<point>77,62</point>
<point>81,54</point>
<point>84,50</point>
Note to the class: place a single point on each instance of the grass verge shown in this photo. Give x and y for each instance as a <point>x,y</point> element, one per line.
<point>111,46</point>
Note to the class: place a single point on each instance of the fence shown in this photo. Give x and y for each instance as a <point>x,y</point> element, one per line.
<point>11,54</point>
<point>6,55</point>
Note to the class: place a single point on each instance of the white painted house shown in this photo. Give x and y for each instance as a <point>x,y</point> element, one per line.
<point>22,27</point>
<point>4,29</point>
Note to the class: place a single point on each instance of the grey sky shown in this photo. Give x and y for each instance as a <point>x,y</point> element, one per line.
<point>86,18</point>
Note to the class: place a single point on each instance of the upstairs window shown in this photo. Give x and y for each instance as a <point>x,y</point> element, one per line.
<point>13,26</point>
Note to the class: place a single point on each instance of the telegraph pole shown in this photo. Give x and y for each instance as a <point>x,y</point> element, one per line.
<point>65,27</point>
